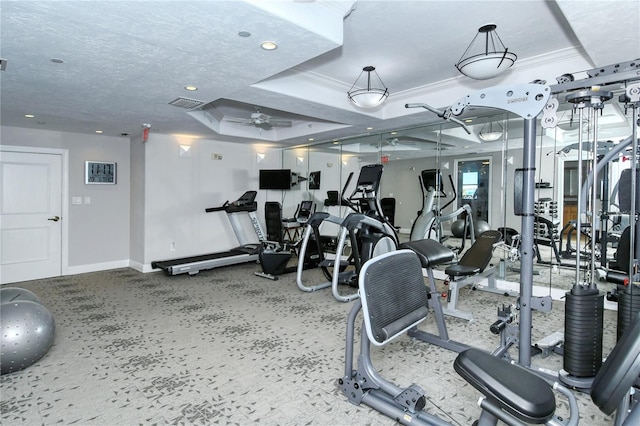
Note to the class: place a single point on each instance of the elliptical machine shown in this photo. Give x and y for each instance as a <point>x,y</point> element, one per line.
<point>429,222</point>
<point>367,229</point>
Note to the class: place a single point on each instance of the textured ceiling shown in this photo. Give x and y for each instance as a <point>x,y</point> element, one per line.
<point>124,61</point>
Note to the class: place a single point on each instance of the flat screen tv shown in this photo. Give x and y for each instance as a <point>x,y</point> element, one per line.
<point>275,179</point>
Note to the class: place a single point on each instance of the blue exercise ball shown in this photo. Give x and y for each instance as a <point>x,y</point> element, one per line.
<point>13,294</point>
<point>27,332</point>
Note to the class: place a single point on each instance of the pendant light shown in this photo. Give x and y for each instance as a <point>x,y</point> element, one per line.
<point>370,97</point>
<point>494,59</point>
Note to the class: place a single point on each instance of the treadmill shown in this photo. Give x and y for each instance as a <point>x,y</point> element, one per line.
<point>246,252</point>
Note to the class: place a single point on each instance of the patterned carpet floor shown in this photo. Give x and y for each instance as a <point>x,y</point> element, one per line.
<point>227,347</point>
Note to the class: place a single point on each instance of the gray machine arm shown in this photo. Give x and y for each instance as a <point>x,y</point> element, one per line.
<point>446,114</point>
<point>525,100</point>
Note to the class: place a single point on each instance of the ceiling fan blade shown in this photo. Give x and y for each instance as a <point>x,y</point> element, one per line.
<point>280,123</point>
<point>239,120</point>
<point>264,126</point>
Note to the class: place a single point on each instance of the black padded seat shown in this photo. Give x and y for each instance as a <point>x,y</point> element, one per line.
<point>477,258</point>
<point>461,270</point>
<point>430,252</point>
<point>510,387</point>
<point>619,372</point>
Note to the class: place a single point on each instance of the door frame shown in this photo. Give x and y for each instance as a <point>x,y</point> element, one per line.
<point>456,169</point>
<point>64,153</point>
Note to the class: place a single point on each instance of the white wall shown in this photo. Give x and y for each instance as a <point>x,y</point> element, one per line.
<point>334,170</point>
<point>99,231</point>
<point>159,198</point>
<point>137,210</point>
<point>178,189</point>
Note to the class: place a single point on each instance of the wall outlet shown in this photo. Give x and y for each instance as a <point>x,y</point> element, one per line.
<point>216,156</point>
<point>87,200</point>
<point>76,200</point>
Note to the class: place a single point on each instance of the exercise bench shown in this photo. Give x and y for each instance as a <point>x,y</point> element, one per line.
<point>473,267</point>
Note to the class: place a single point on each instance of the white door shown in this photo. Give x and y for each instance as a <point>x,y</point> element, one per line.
<point>31,215</point>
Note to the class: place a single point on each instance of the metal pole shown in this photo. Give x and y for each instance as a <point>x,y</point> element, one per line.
<point>594,201</point>
<point>526,271</point>
<point>579,218</point>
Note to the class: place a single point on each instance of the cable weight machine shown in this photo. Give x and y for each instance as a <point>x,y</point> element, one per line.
<point>526,101</point>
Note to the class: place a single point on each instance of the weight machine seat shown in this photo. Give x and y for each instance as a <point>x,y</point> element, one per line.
<point>619,372</point>
<point>510,387</point>
<point>477,258</point>
<point>430,252</point>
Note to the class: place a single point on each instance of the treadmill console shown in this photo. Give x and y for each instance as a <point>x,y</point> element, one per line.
<point>246,203</point>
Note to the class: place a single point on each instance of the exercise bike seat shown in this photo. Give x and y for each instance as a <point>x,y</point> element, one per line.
<point>430,252</point>
<point>508,387</point>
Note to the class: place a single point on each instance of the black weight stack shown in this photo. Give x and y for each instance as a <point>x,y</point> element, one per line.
<point>628,306</point>
<point>584,310</point>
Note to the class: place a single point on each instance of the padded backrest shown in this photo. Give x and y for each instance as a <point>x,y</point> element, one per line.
<point>624,250</point>
<point>625,189</point>
<point>394,295</point>
<point>619,371</point>
<point>333,198</point>
<point>273,221</point>
<point>480,253</point>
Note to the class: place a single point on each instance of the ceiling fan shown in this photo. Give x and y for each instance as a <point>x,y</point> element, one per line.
<point>260,120</point>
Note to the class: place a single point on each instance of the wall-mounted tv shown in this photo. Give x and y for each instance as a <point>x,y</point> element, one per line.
<point>275,179</point>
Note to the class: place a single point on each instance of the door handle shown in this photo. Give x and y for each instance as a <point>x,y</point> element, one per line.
<point>55,218</point>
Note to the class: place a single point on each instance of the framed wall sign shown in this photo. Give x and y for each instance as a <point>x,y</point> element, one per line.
<point>99,173</point>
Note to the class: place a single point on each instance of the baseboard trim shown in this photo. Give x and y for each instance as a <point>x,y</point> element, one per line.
<point>141,267</point>
<point>95,267</point>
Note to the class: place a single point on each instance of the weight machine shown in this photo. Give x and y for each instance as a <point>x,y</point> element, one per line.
<point>526,101</point>
<point>395,299</point>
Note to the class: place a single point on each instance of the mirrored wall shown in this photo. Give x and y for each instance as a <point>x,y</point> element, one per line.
<point>477,168</point>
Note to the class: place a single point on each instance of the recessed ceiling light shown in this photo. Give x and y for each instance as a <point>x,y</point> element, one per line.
<point>369,128</point>
<point>98,131</point>
<point>269,45</point>
<point>29,115</point>
<point>394,133</point>
<point>190,88</point>
<point>57,61</point>
<point>468,120</point>
<point>311,139</point>
<point>244,34</point>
